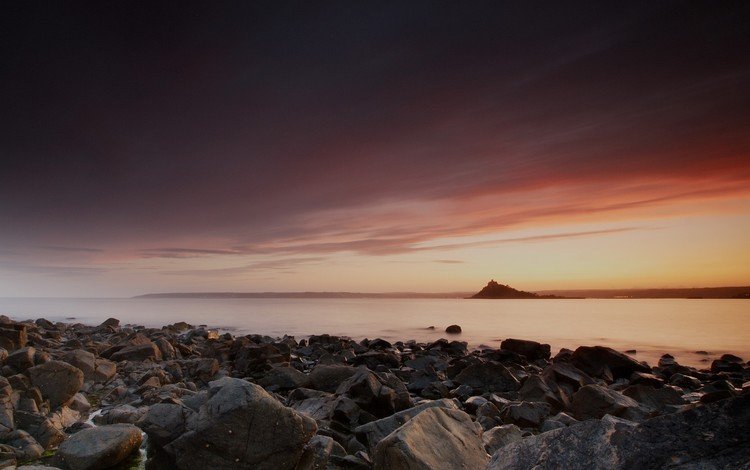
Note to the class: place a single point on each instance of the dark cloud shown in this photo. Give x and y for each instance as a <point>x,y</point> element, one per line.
<point>256,127</point>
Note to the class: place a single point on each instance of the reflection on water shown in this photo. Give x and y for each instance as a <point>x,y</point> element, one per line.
<point>650,326</point>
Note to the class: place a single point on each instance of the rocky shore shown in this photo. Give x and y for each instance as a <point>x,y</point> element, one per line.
<point>80,397</point>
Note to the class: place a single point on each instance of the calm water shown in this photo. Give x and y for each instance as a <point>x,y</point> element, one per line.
<point>652,327</point>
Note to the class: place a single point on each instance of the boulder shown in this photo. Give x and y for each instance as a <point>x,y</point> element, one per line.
<point>526,414</point>
<point>370,393</point>
<point>12,336</point>
<point>121,414</point>
<point>25,447</point>
<point>165,422</point>
<point>453,330</point>
<point>434,438</point>
<point>606,363</point>
<point>318,452</point>
<point>328,377</point>
<point>6,406</point>
<point>94,369</point>
<point>100,447</point>
<point>373,432</point>
<point>283,377</point>
<point>488,377</point>
<point>594,401</point>
<point>58,381</point>
<point>500,436</point>
<point>21,359</point>
<point>530,349</point>
<point>535,389</point>
<point>241,426</point>
<point>655,399</point>
<point>137,352</point>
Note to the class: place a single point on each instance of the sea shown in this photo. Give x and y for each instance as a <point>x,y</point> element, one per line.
<point>695,331</point>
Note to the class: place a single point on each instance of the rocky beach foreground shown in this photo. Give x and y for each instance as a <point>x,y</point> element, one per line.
<point>79,397</point>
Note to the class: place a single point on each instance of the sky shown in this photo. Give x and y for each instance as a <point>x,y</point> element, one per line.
<point>372,146</point>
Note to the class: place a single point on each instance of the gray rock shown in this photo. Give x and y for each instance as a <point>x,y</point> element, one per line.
<point>25,446</point>
<point>121,414</point>
<point>435,438</point>
<point>328,377</point>
<point>100,447</point>
<point>242,426</point>
<point>94,369</point>
<point>374,431</point>
<point>530,349</point>
<point>488,377</point>
<point>500,436</point>
<point>58,381</point>
<point>21,359</point>
<point>6,406</point>
<point>594,401</point>
<point>318,452</point>
<point>370,393</point>
<point>526,414</point>
<point>661,399</point>
<point>165,422</point>
<point>12,336</point>
<point>283,377</point>
<point>606,363</point>
<point>138,352</point>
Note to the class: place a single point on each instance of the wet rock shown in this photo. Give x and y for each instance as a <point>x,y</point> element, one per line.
<point>242,426</point>
<point>435,438</point>
<point>373,432</point>
<point>58,381</point>
<point>500,436</point>
<point>99,447</point>
<point>606,363</point>
<point>488,377</point>
<point>453,330</point>
<point>530,349</point>
<point>594,401</point>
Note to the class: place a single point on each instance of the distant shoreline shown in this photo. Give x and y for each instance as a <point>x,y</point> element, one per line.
<point>671,293</point>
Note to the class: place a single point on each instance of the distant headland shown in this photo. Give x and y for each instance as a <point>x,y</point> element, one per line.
<point>495,290</point>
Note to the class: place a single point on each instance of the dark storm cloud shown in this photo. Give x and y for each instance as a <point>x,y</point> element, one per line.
<point>144,125</point>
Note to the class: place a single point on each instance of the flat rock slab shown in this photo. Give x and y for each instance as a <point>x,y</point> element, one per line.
<point>706,437</point>
<point>98,448</point>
